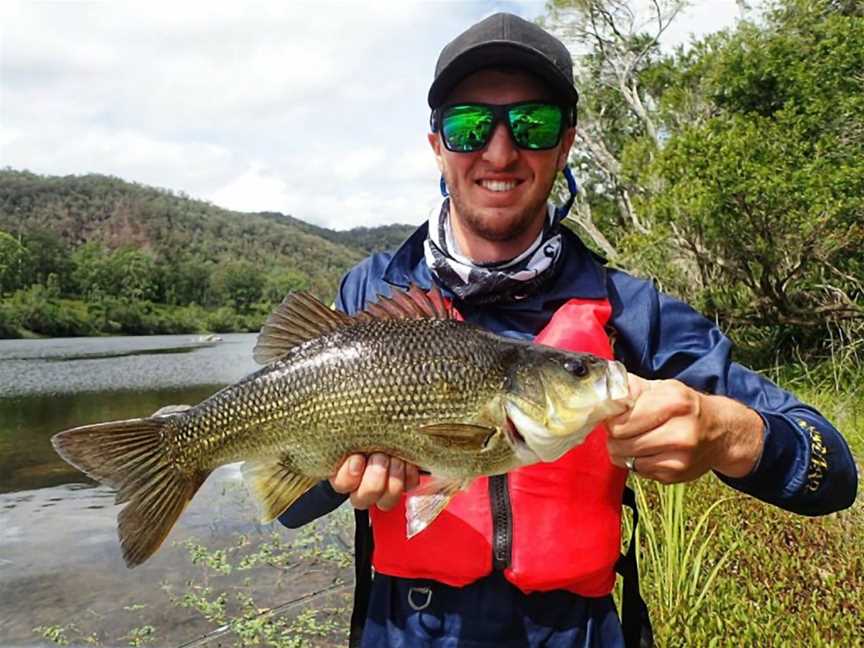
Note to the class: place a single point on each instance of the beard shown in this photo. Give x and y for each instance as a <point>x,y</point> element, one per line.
<point>500,229</point>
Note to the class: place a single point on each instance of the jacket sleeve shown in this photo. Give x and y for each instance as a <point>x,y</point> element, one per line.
<point>806,466</point>
<point>322,499</point>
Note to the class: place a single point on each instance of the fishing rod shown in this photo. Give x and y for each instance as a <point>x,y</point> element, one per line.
<point>306,598</point>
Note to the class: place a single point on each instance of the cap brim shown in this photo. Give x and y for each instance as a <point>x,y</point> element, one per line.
<point>500,54</point>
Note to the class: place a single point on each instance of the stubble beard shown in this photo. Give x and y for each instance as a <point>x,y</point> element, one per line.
<point>481,226</point>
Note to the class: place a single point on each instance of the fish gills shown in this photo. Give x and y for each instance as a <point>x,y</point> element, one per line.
<point>130,457</point>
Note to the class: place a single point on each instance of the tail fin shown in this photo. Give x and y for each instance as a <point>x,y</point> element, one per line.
<point>130,456</point>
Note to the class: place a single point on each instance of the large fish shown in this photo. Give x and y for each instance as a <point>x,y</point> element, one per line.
<point>403,377</point>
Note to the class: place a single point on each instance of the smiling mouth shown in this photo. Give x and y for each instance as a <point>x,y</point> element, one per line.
<point>499,186</point>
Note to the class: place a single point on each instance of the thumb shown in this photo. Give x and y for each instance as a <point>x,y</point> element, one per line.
<point>637,385</point>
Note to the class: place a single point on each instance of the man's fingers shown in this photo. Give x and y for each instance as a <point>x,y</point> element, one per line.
<point>673,435</point>
<point>379,480</point>
<point>350,473</point>
<point>395,485</point>
<point>667,468</point>
<point>374,482</point>
<point>412,476</point>
<point>658,402</point>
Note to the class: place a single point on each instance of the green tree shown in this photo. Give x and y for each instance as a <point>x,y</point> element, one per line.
<point>767,196</point>
<point>135,275</point>
<point>732,171</point>
<point>14,263</point>
<point>50,257</point>
<point>92,273</point>
<point>282,281</point>
<point>238,283</point>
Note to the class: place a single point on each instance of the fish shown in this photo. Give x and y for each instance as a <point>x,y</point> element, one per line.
<point>406,377</point>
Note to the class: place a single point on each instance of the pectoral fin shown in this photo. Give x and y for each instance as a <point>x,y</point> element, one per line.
<point>465,434</point>
<point>274,487</point>
<point>426,502</point>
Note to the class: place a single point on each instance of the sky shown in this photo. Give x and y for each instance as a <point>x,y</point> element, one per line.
<point>314,109</point>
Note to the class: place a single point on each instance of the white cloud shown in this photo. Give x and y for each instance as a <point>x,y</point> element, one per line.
<point>255,189</point>
<point>316,109</point>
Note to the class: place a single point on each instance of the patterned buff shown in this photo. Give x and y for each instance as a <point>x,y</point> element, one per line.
<point>495,282</point>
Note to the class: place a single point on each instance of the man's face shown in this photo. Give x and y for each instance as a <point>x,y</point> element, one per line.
<point>499,193</point>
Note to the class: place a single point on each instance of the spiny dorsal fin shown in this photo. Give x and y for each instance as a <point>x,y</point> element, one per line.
<point>301,317</point>
<point>415,303</point>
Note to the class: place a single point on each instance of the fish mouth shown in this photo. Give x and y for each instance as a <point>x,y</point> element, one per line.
<point>513,433</point>
<point>520,446</point>
<point>612,383</point>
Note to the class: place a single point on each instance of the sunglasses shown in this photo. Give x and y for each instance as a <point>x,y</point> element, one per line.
<point>468,127</point>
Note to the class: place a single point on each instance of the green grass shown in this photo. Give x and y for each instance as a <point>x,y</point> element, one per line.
<point>722,569</point>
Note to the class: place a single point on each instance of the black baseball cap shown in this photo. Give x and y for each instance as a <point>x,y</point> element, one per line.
<point>503,39</point>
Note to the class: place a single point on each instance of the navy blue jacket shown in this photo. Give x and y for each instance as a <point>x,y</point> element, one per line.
<point>806,466</point>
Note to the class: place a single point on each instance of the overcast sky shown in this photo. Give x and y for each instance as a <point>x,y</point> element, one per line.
<point>313,109</point>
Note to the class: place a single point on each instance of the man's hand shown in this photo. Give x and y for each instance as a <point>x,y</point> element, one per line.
<point>677,434</point>
<point>378,480</point>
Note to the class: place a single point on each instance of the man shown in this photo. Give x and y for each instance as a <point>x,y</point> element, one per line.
<point>529,557</point>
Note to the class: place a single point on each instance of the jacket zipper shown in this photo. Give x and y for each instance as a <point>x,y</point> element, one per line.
<point>502,522</point>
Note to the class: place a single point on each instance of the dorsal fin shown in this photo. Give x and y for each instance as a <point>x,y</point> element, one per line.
<point>415,303</point>
<point>301,317</point>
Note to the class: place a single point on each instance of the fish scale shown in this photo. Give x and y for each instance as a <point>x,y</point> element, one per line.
<point>366,388</point>
<point>403,377</point>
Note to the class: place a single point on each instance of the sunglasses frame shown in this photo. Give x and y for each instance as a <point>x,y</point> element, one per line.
<point>500,112</point>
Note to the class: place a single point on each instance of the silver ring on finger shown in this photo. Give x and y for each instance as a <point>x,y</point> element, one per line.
<point>630,464</point>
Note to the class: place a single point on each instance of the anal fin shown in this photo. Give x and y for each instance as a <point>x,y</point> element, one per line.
<point>425,503</point>
<point>274,487</point>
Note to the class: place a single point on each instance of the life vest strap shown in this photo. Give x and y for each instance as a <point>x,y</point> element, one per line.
<point>363,545</point>
<point>635,621</point>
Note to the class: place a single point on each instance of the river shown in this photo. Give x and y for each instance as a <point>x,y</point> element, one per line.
<point>60,563</point>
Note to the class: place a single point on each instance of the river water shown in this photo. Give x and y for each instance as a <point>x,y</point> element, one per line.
<point>60,563</point>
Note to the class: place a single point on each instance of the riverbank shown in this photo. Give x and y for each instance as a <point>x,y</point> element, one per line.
<point>37,312</point>
<point>61,570</point>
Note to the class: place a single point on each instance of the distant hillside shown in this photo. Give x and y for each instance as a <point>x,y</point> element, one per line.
<point>167,226</point>
<point>365,239</point>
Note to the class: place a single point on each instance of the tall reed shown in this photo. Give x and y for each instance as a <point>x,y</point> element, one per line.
<point>673,550</point>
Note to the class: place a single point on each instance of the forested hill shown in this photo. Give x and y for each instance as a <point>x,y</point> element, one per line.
<point>116,214</point>
<point>365,239</point>
<point>92,239</point>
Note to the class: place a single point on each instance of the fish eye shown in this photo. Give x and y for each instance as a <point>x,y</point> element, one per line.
<point>576,368</point>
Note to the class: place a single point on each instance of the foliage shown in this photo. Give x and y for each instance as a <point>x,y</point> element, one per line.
<point>767,197</point>
<point>237,612</point>
<point>675,549</point>
<point>732,170</point>
<point>144,260</point>
<point>14,263</point>
<point>717,570</point>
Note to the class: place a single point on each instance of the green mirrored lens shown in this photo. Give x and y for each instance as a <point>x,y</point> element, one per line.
<point>536,125</point>
<point>466,128</point>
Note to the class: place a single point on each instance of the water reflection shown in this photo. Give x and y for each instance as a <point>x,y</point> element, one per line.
<point>51,385</point>
<point>27,423</point>
<point>60,558</point>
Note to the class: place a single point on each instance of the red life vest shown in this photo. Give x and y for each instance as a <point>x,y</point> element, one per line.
<point>566,515</point>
